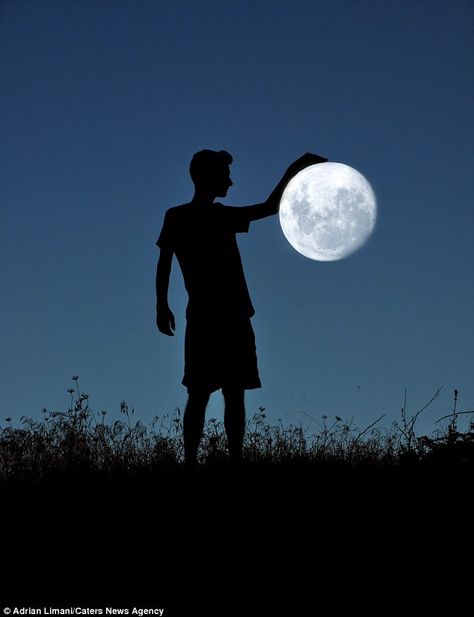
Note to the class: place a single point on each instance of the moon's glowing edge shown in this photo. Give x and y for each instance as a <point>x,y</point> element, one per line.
<point>315,192</point>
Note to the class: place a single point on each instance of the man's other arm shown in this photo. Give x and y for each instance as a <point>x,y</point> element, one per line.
<point>164,317</point>
<point>272,204</point>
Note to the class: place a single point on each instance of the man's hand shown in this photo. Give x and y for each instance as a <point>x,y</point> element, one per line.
<point>165,320</point>
<point>272,204</point>
<point>304,161</point>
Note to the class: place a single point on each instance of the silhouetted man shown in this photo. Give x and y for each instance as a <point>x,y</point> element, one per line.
<point>220,350</point>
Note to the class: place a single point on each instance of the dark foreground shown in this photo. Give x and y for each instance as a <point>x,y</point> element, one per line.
<point>259,540</point>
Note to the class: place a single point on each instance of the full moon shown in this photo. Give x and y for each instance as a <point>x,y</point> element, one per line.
<point>328,211</point>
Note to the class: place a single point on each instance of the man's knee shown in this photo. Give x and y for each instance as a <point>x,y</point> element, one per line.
<point>233,395</point>
<point>198,397</point>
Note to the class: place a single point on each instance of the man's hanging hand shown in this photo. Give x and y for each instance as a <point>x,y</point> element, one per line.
<point>165,320</point>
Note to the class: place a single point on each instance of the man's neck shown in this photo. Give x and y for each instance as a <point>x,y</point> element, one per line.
<point>202,198</point>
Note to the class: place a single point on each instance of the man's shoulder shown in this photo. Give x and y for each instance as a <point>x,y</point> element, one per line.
<point>174,220</point>
<point>187,211</point>
<point>190,216</point>
<point>190,207</point>
<point>177,211</point>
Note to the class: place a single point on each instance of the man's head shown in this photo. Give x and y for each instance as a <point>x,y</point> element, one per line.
<point>210,172</point>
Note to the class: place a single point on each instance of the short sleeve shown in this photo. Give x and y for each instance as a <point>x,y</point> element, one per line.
<point>166,239</point>
<point>238,218</point>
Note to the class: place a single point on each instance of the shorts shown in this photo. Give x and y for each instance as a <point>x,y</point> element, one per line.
<point>219,353</point>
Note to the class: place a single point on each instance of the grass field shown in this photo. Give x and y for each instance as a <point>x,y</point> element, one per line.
<point>106,512</point>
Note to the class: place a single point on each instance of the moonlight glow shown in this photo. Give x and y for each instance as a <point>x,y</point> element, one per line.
<point>328,211</point>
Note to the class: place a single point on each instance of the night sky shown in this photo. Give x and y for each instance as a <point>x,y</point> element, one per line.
<point>103,105</point>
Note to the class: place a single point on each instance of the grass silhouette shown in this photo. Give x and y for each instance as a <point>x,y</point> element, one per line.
<point>299,516</point>
<point>79,440</point>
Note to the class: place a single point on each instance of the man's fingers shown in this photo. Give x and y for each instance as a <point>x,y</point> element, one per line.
<point>305,161</point>
<point>310,159</point>
<point>164,328</point>
<point>165,322</point>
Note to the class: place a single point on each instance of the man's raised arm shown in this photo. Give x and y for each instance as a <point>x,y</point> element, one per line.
<point>272,204</point>
<point>164,316</point>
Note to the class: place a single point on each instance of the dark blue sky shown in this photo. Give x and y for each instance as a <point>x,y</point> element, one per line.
<point>102,106</point>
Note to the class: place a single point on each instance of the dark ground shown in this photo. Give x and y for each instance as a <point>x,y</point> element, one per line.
<point>262,540</point>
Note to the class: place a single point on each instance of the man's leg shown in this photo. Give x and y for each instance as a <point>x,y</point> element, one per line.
<point>193,424</point>
<point>234,420</point>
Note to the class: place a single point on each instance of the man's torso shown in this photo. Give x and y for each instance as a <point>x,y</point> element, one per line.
<point>203,239</point>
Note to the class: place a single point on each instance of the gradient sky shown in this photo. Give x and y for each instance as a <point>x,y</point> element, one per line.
<point>103,105</point>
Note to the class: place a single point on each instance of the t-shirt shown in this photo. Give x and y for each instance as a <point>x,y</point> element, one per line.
<point>203,240</point>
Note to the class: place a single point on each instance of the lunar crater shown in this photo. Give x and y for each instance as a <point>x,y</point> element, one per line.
<point>328,211</point>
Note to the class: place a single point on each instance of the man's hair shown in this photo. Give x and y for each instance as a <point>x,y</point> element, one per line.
<point>206,163</point>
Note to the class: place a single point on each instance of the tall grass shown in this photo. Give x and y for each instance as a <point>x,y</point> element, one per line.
<point>80,439</point>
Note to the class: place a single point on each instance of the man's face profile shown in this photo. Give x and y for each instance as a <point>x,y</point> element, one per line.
<point>222,181</point>
<point>210,172</point>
